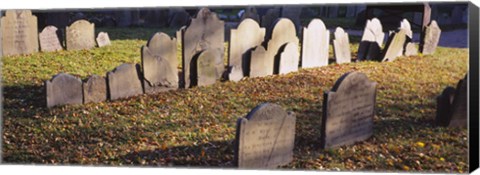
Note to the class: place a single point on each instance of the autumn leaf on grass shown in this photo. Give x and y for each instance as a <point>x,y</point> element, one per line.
<point>420,144</point>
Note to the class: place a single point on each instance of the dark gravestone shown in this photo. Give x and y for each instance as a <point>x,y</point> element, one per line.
<point>452,106</point>
<point>247,36</point>
<point>348,111</point>
<point>265,137</point>
<point>316,39</point>
<point>432,36</point>
<point>49,41</point>
<point>341,46</point>
<point>63,89</point>
<point>372,40</point>
<point>80,35</point>
<point>95,89</point>
<point>124,82</point>
<point>205,31</point>
<point>19,33</point>
<point>444,107</point>
<point>178,18</point>
<point>103,39</point>
<point>205,72</point>
<point>394,46</point>
<point>159,62</point>
<point>289,59</point>
<point>251,12</point>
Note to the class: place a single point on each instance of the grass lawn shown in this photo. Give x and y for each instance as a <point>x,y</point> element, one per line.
<point>196,127</point>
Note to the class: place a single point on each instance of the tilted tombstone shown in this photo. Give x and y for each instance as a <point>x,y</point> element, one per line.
<point>124,82</point>
<point>247,36</point>
<point>103,39</point>
<point>80,35</point>
<point>432,36</point>
<point>204,72</point>
<point>289,59</point>
<point>265,137</point>
<point>251,12</point>
<point>394,46</point>
<point>94,89</point>
<point>316,39</point>
<point>159,63</point>
<point>372,40</point>
<point>260,64</point>
<point>410,47</point>
<point>348,111</point>
<point>49,41</point>
<point>283,32</point>
<point>206,31</point>
<point>452,106</point>
<point>63,89</point>
<point>19,33</point>
<point>341,46</point>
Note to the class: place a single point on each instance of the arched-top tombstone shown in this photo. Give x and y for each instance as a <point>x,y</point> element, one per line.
<point>159,63</point>
<point>341,46</point>
<point>283,32</point>
<point>103,39</point>
<point>247,36</point>
<point>260,64</point>
<point>19,33</point>
<point>206,31</point>
<point>348,110</point>
<point>289,59</point>
<point>63,89</point>
<point>95,89</point>
<point>80,35</point>
<point>265,137</point>
<point>49,41</point>
<point>432,36</point>
<point>124,81</point>
<point>372,40</point>
<point>316,38</point>
<point>206,68</point>
<point>251,13</point>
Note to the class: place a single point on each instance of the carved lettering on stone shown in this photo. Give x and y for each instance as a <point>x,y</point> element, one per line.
<point>19,33</point>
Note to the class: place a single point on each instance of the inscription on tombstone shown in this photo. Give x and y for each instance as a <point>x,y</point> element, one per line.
<point>265,137</point>
<point>103,39</point>
<point>348,111</point>
<point>95,89</point>
<point>49,41</point>
<point>63,89</point>
<point>372,40</point>
<point>205,31</point>
<point>159,62</point>
<point>341,46</point>
<point>316,38</point>
<point>289,59</point>
<point>247,36</point>
<point>124,82</point>
<point>206,70</point>
<point>19,33</point>
<point>432,36</point>
<point>80,35</point>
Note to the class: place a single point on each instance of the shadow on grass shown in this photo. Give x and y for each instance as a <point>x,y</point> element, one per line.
<point>29,97</point>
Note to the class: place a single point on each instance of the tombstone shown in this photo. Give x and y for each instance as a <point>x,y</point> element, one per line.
<point>205,31</point>
<point>247,36</point>
<point>283,32</point>
<point>159,63</point>
<point>452,106</point>
<point>316,39</point>
<point>394,46</point>
<point>260,63</point>
<point>372,40</point>
<point>179,18</point>
<point>432,36</point>
<point>348,111</point>
<point>49,41</point>
<point>19,33</point>
<point>80,35</point>
<point>444,106</point>
<point>289,59</point>
<point>124,82</point>
<point>405,25</point>
<point>94,89</point>
<point>265,137</point>
<point>293,13</point>
<point>103,39</point>
<point>250,12</point>
<point>63,89</point>
<point>411,49</point>
<point>341,46</point>
<point>205,72</point>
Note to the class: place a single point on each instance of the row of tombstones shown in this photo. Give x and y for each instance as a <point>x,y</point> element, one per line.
<point>19,35</point>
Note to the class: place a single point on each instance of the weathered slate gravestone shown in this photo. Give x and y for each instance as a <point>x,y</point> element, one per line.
<point>205,31</point>
<point>19,33</point>
<point>205,71</point>
<point>247,36</point>
<point>372,40</point>
<point>49,41</point>
<point>63,89</point>
<point>251,12</point>
<point>411,49</point>
<point>103,39</point>
<point>80,35</point>
<point>265,137</point>
<point>341,46</point>
<point>452,106</point>
<point>159,63</point>
<point>316,38</point>
<point>260,63</point>
<point>394,46</point>
<point>348,111</point>
<point>94,89</point>
<point>289,59</point>
<point>432,36</point>
<point>124,82</point>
